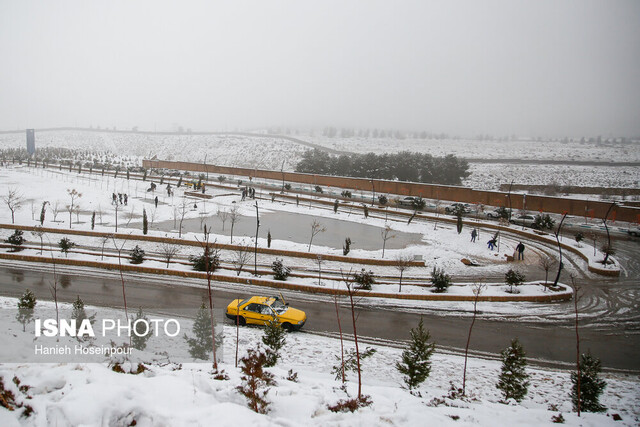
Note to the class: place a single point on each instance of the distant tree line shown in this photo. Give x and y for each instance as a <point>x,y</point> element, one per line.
<point>403,166</point>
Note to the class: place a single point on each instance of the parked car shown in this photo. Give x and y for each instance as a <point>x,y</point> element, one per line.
<point>259,310</point>
<point>408,201</point>
<point>524,220</point>
<point>494,214</point>
<point>456,206</point>
<point>634,231</point>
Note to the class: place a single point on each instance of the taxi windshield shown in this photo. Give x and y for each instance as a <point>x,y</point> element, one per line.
<point>277,306</point>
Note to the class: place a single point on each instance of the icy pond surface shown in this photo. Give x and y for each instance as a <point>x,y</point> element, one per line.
<point>297,228</point>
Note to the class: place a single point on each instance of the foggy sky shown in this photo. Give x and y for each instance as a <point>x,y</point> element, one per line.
<point>537,68</point>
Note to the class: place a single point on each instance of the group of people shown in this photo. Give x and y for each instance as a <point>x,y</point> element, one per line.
<point>248,192</point>
<point>121,198</point>
<point>492,243</point>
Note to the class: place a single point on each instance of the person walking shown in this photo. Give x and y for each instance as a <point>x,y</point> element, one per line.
<point>520,250</point>
<point>156,201</point>
<point>126,199</point>
<point>491,243</point>
<point>474,234</point>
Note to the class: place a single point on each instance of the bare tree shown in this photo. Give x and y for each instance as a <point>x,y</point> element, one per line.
<point>104,239</point>
<point>124,294</point>
<point>477,290</point>
<point>99,212</point>
<point>437,211</point>
<point>351,292</point>
<point>14,202</point>
<point>208,261</point>
<point>223,214</point>
<point>316,228</point>
<point>576,288</point>
<point>241,257</point>
<point>54,287</point>
<point>234,216</point>
<point>202,215</point>
<point>546,263</point>
<point>169,250</point>
<point>335,302</point>
<point>130,216</point>
<point>116,208</point>
<point>386,235</point>
<point>255,249</point>
<point>175,216</point>
<point>182,211</point>
<point>55,210</point>
<point>76,210</point>
<point>74,195</point>
<point>38,232</point>
<point>403,262</point>
<point>560,265</point>
<point>152,216</point>
<point>319,261</point>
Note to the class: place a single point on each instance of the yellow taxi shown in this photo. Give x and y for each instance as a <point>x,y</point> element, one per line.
<point>261,310</point>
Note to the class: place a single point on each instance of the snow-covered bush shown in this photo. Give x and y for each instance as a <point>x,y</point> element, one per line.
<point>280,271</point>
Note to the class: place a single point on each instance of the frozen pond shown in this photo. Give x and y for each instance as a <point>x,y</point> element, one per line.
<point>297,228</point>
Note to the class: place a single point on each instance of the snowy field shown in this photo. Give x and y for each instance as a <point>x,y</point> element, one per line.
<point>170,394</point>
<point>269,153</point>
<point>488,149</point>
<point>491,176</point>
<point>229,150</point>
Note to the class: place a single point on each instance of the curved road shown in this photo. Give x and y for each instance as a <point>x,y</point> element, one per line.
<point>609,327</point>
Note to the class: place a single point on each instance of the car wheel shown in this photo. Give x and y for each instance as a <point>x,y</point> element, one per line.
<point>241,321</point>
<point>287,327</point>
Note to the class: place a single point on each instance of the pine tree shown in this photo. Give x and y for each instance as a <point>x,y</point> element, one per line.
<point>591,386</point>
<point>43,212</point>
<point>79,314</point>
<point>145,222</point>
<point>26,304</point>
<point>255,380</point>
<point>142,330</point>
<point>459,221</point>
<point>280,271</point>
<point>274,339</point>
<point>137,255</point>
<point>440,280</point>
<point>415,364</point>
<point>16,240</point>
<point>513,380</point>
<point>200,346</point>
<point>65,245</point>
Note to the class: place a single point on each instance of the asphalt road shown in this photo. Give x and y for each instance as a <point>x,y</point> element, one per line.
<point>617,346</point>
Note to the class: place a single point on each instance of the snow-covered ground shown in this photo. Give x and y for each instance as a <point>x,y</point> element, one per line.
<point>442,247</point>
<point>487,149</point>
<point>229,150</point>
<point>71,394</point>
<point>490,176</point>
<point>269,152</point>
